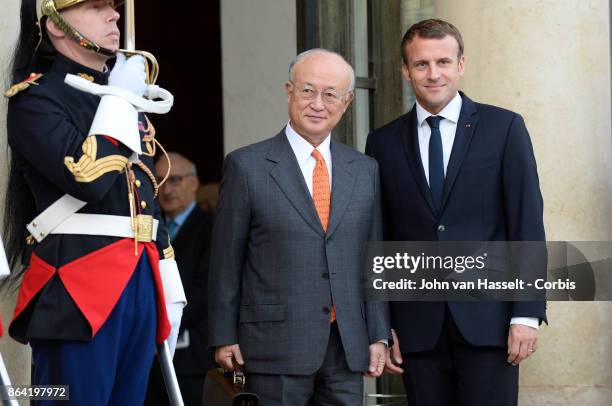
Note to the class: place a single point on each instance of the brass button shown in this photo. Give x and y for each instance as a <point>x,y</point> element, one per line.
<point>143,204</point>
<point>138,183</point>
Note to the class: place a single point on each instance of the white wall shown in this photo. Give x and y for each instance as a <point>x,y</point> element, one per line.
<point>258,42</point>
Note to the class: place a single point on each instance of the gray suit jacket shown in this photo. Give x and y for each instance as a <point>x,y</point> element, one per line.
<point>274,271</point>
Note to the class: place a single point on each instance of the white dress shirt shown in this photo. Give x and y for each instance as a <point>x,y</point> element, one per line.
<point>303,150</point>
<point>448,127</point>
<point>303,153</point>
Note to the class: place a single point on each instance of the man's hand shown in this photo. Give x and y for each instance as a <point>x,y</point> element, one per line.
<point>522,343</point>
<point>129,74</point>
<point>224,355</point>
<point>394,357</point>
<point>378,354</point>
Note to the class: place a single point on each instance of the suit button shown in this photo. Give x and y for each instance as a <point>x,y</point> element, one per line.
<point>325,275</point>
<point>441,227</point>
<point>326,310</point>
<point>143,204</point>
<point>137,183</point>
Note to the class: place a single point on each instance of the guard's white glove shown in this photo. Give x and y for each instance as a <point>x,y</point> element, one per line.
<point>175,313</point>
<point>175,298</point>
<point>129,74</point>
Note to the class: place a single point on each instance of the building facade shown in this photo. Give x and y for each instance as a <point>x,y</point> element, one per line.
<point>548,60</point>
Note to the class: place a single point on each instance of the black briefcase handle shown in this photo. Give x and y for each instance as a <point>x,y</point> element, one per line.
<point>227,388</point>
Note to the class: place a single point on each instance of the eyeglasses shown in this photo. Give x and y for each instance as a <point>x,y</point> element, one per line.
<point>174,180</point>
<point>310,93</point>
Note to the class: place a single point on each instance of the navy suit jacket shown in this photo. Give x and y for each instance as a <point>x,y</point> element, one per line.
<point>192,249</point>
<point>491,193</point>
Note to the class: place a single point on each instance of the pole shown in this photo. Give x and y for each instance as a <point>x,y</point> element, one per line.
<point>172,386</point>
<point>163,350</point>
<point>130,25</point>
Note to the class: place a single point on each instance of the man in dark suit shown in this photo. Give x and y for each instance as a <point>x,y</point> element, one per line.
<point>285,280</point>
<point>455,170</point>
<point>189,229</point>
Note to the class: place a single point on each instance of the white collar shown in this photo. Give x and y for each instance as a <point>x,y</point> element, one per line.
<point>303,149</point>
<point>450,112</point>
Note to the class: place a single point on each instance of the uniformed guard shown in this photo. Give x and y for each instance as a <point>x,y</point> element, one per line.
<point>100,287</point>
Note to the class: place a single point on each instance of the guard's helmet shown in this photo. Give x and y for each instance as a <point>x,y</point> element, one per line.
<point>51,9</point>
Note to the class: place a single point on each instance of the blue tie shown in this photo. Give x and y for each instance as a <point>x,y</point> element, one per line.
<point>436,161</point>
<point>172,229</point>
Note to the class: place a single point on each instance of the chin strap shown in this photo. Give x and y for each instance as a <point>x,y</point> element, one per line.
<point>49,10</point>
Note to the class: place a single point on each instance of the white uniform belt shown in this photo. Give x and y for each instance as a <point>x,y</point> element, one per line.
<point>62,218</point>
<point>100,224</point>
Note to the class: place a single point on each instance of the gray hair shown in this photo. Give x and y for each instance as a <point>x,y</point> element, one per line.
<point>193,169</point>
<point>313,51</point>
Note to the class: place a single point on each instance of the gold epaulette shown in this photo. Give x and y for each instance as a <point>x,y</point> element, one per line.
<point>31,80</point>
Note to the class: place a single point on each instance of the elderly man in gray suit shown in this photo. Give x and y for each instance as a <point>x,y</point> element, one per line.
<point>285,287</point>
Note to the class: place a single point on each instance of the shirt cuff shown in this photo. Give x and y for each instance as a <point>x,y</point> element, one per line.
<point>385,342</point>
<point>532,322</point>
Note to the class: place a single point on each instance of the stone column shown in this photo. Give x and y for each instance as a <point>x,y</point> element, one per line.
<point>550,61</point>
<point>16,356</point>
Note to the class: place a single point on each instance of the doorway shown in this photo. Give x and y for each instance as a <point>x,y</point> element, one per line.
<point>179,34</point>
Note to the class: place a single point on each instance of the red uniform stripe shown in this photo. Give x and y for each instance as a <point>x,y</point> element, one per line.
<point>95,282</point>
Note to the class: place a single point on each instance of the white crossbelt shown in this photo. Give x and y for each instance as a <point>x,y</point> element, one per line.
<point>61,218</point>
<point>54,215</point>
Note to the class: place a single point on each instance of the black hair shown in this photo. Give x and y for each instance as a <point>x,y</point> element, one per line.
<point>32,54</point>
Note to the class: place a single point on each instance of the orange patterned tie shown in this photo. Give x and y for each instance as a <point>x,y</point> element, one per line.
<point>321,196</point>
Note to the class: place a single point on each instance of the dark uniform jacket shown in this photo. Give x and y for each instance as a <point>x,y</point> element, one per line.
<point>192,249</point>
<point>73,281</point>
